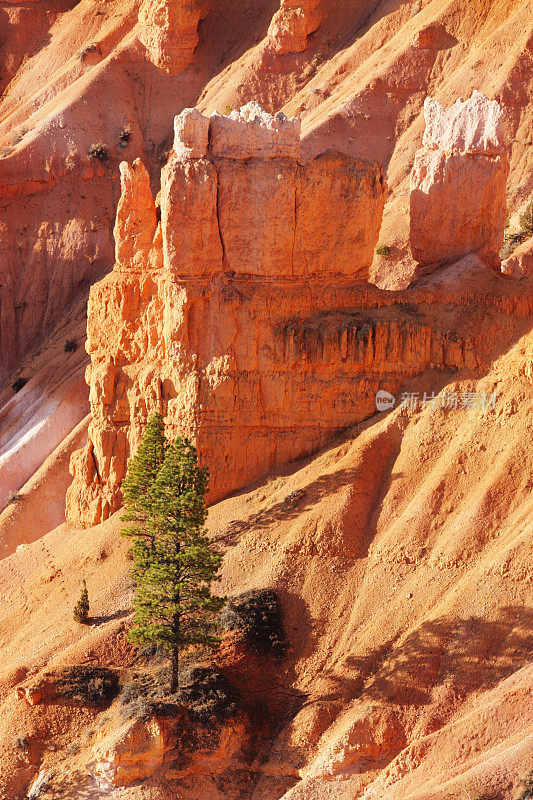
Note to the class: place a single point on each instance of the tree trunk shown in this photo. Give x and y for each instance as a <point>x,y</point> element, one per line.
<point>174,671</point>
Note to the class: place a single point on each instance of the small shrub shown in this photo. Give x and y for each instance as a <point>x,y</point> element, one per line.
<point>124,136</point>
<point>21,744</point>
<point>511,242</point>
<point>91,48</point>
<point>13,497</point>
<point>100,151</point>
<point>140,708</point>
<point>526,219</point>
<point>19,383</point>
<point>229,109</point>
<point>527,787</point>
<point>71,345</point>
<point>208,694</point>
<point>383,250</point>
<point>81,609</point>
<point>94,686</point>
<point>257,614</point>
<point>19,135</point>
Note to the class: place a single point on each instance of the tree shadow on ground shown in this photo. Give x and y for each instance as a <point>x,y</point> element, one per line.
<point>474,653</point>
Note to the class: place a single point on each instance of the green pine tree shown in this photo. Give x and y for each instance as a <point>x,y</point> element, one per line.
<point>174,565</point>
<point>81,609</point>
<point>137,490</point>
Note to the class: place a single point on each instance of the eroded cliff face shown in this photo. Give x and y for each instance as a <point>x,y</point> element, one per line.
<point>245,316</point>
<point>458,183</point>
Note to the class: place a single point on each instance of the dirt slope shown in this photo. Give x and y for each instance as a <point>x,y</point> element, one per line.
<point>402,555</point>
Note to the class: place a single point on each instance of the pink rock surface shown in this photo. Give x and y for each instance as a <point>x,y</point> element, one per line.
<point>191,241</point>
<point>476,126</point>
<point>339,207</point>
<point>458,184</point>
<point>457,207</point>
<point>136,221</point>
<point>191,133</point>
<point>252,132</point>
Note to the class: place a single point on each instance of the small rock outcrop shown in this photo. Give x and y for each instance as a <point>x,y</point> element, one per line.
<point>520,263</point>
<point>292,24</point>
<point>458,183</point>
<point>169,31</point>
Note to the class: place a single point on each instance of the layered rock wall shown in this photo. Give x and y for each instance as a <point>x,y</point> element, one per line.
<point>245,316</point>
<point>458,183</point>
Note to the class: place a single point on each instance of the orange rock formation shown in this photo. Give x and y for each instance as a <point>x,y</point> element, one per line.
<point>458,183</point>
<point>246,319</point>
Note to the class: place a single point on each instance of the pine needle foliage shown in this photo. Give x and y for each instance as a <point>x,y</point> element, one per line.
<point>81,609</point>
<point>174,565</point>
<point>137,490</point>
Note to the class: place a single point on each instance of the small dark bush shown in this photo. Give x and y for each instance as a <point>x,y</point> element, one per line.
<point>383,250</point>
<point>100,151</point>
<point>21,743</point>
<point>81,609</point>
<point>70,162</point>
<point>88,685</point>
<point>91,48</point>
<point>257,614</point>
<point>71,345</point>
<point>140,696</point>
<point>19,135</point>
<point>140,708</point>
<point>125,136</point>
<point>19,384</point>
<point>207,693</point>
<point>13,497</point>
<point>511,242</point>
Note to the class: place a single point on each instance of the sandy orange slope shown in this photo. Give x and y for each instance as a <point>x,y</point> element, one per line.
<point>402,555</point>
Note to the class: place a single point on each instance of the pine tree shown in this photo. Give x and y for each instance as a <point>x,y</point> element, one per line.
<point>142,471</point>
<point>174,564</point>
<point>81,609</point>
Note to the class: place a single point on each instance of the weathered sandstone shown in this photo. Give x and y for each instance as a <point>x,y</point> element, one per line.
<point>133,751</point>
<point>252,132</point>
<point>473,127</point>
<point>520,263</point>
<point>169,31</point>
<point>458,183</point>
<point>259,337</point>
<point>292,24</point>
<point>136,221</point>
